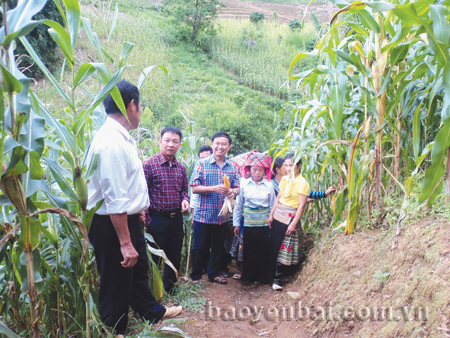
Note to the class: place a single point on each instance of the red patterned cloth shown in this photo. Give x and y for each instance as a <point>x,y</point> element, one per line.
<point>256,159</point>
<point>239,160</point>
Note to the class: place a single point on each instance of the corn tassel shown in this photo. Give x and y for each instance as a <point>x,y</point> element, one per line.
<point>11,187</point>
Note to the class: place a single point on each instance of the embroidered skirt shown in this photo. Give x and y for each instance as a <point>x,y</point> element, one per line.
<point>289,253</point>
<point>237,248</point>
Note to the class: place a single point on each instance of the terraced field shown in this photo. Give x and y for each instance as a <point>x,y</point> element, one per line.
<point>236,9</point>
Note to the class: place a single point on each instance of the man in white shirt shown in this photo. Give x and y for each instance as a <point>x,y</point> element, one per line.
<point>115,232</point>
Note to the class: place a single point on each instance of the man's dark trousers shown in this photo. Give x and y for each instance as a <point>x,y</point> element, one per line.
<point>168,234</point>
<point>122,287</point>
<point>202,232</point>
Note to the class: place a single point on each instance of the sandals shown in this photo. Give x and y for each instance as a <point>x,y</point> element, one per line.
<point>219,280</point>
<point>276,287</point>
<point>237,276</point>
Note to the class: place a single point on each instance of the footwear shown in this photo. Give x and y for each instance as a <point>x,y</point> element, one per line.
<point>171,312</point>
<point>196,282</point>
<point>237,276</point>
<point>219,280</point>
<point>276,287</point>
<point>225,274</point>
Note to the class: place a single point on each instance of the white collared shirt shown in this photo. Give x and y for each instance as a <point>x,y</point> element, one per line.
<point>252,195</point>
<point>119,178</point>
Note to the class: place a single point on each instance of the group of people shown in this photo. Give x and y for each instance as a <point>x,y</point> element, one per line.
<point>127,193</point>
<point>269,206</point>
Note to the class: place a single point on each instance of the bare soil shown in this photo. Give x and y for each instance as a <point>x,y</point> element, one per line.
<point>341,270</point>
<point>236,9</point>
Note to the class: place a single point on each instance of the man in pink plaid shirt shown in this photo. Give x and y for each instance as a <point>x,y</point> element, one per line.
<point>167,185</point>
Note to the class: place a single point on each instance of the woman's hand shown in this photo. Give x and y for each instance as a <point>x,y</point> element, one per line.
<point>330,190</point>
<point>269,221</point>
<point>290,230</point>
<point>236,231</point>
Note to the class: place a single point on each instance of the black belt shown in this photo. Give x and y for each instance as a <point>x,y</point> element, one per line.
<point>170,214</point>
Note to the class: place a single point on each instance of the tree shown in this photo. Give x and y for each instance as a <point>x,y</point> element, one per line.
<point>40,39</point>
<point>194,14</point>
<point>257,17</point>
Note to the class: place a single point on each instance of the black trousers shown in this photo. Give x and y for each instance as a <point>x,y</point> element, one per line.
<point>168,234</point>
<point>122,287</point>
<point>277,233</point>
<point>256,254</point>
<point>217,233</point>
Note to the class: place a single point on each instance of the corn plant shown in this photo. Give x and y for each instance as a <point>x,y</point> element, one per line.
<point>45,174</point>
<point>388,62</point>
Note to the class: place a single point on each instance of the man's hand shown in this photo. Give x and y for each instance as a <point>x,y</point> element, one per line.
<point>130,255</point>
<point>231,194</point>
<point>142,218</point>
<point>223,190</point>
<point>236,231</point>
<point>270,220</point>
<point>185,207</point>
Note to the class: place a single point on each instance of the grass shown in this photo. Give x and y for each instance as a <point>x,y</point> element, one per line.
<point>316,2</point>
<point>229,89</point>
<point>263,65</point>
<point>190,297</point>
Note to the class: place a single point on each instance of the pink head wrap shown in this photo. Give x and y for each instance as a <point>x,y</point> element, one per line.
<point>256,159</point>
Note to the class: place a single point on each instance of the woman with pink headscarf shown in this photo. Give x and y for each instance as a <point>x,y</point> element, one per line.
<point>254,203</point>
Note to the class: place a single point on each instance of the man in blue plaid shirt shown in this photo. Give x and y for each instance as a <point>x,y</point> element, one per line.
<point>207,181</point>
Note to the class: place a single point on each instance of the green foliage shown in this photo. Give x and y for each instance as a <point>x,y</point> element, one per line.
<point>45,172</point>
<point>380,71</point>
<point>382,277</point>
<point>41,41</point>
<point>275,16</point>
<point>294,25</point>
<point>316,21</point>
<point>257,17</point>
<point>192,18</point>
<point>262,65</point>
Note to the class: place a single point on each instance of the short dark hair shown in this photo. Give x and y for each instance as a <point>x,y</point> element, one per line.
<point>277,164</point>
<point>205,148</point>
<point>128,92</point>
<point>221,134</point>
<point>292,155</point>
<point>171,129</point>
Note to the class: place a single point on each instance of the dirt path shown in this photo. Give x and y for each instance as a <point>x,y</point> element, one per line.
<point>236,9</point>
<point>352,286</point>
<point>245,299</point>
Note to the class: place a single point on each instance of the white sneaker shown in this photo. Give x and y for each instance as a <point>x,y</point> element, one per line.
<point>172,312</point>
<point>276,287</point>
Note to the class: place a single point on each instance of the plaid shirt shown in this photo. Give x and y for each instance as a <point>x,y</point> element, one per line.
<point>167,184</point>
<point>206,172</point>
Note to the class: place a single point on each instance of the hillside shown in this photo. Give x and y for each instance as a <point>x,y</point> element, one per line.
<point>235,9</point>
<point>355,272</point>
